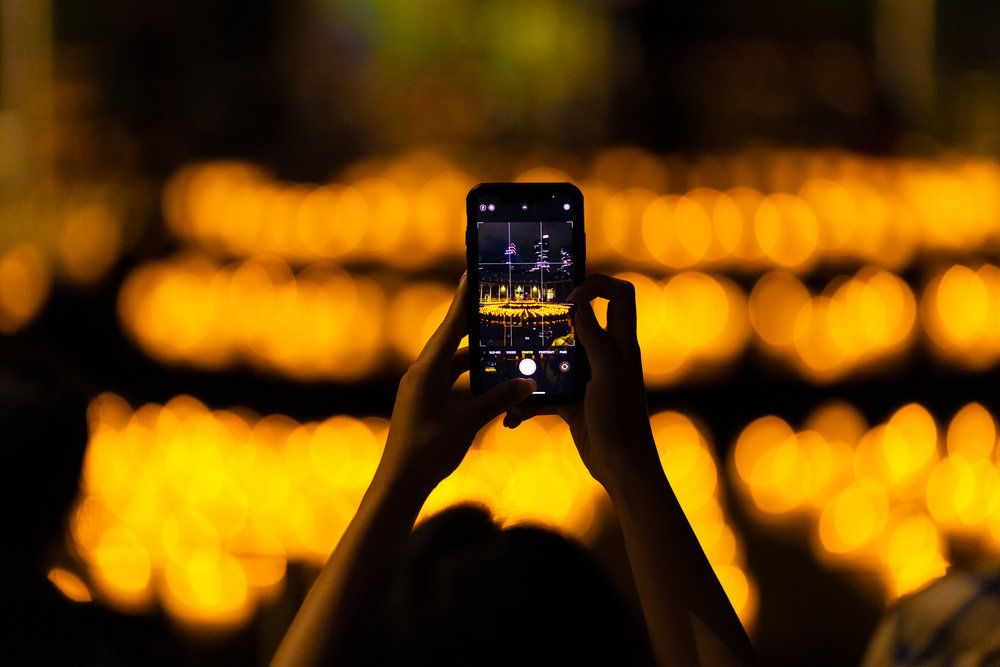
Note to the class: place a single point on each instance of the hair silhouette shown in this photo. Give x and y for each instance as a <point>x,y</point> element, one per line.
<point>468,592</point>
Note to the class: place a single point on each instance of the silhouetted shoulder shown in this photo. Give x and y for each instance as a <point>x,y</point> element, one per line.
<point>954,620</point>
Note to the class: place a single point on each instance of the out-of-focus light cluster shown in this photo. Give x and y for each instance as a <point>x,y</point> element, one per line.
<point>960,310</point>
<point>885,497</point>
<point>203,509</point>
<point>746,211</point>
<point>689,321</point>
<point>857,320</point>
<point>324,322</point>
<point>407,214</point>
<point>74,235</point>
<point>321,323</point>
<point>24,286</point>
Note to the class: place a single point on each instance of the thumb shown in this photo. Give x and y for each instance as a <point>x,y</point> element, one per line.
<point>499,399</point>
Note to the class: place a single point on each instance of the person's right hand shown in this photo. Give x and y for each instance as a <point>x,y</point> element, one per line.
<point>610,425</point>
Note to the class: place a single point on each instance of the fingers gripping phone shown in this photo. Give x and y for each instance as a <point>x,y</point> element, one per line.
<point>525,248</point>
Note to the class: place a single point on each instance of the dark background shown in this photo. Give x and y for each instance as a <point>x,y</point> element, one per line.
<point>288,84</point>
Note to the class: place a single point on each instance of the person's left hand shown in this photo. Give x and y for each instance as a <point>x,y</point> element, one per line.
<point>431,428</point>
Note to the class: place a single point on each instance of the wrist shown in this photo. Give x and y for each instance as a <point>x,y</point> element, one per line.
<point>641,470</point>
<point>402,482</point>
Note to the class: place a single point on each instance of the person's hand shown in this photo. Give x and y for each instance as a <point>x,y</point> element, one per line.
<point>431,428</point>
<point>610,425</point>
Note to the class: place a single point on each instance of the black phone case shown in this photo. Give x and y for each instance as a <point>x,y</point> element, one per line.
<point>516,192</point>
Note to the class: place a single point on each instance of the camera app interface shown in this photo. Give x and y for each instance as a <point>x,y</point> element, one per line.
<point>525,322</point>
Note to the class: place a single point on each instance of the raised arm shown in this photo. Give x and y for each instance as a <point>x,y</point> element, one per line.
<point>429,433</point>
<point>688,615</point>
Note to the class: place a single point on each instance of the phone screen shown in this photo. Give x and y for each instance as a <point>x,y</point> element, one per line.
<point>528,242</point>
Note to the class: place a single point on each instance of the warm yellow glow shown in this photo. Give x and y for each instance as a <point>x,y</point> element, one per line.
<point>775,303</point>
<point>121,566</point>
<point>207,591</point>
<point>677,231</point>
<point>406,214</point>
<point>912,553</point>
<point>686,459</point>
<point>908,446</point>
<point>972,433</point>
<point>215,503</point>
<point>24,286</point>
<point>856,322</point>
<point>69,585</point>
<point>838,421</point>
<point>623,221</point>
<point>685,320</point>
<point>737,587</point>
<point>888,498</point>
<point>406,211</point>
<point>543,175</point>
<point>786,230</point>
<point>322,322</point>
<point>89,242</point>
<point>853,517</point>
<point>696,309</point>
<point>726,223</point>
<point>414,314</point>
<point>758,437</point>
<point>836,212</point>
<point>779,480</point>
<point>960,310</point>
<point>963,302</point>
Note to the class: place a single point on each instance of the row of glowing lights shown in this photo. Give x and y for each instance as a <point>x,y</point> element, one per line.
<point>746,211</point>
<point>409,212</point>
<point>200,511</point>
<point>327,323</point>
<point>885,497</point>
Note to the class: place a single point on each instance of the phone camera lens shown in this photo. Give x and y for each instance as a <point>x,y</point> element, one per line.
<point>482,207</point>
<point>565,207</point>
<point>491,207</point>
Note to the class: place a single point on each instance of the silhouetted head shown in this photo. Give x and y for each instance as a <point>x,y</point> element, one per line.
<point>43,435</point>
<point>467,592</point>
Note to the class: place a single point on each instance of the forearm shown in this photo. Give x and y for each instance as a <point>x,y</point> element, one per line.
<point>380,528</point>
<point>675,581</point>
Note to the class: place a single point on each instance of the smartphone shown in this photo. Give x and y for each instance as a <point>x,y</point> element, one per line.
<point>526,250</point>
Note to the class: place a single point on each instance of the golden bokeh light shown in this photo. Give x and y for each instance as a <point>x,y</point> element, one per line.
<point>775,303</point>
<point>886,498</point>
<point>787,230</point>
<point>322,322</point>
<point>960,310</point>
<point>89,242</point>
<point>406,211</point>
<point>972,433</point>
<point>856,322</point>
<point>203,509</point>
<point>69,584</point>
<point>25,281</point>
